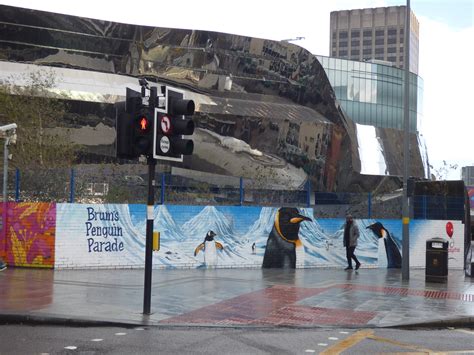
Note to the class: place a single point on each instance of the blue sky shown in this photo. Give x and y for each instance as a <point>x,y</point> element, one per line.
<point>446,47</point>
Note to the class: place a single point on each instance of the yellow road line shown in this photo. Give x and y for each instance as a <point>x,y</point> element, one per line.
<point>348,342</point>
<point>400,344</point>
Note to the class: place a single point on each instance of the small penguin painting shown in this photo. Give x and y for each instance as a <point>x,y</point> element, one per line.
<point>394,257</point>
<point>280,251</point>
<point>209,247</point>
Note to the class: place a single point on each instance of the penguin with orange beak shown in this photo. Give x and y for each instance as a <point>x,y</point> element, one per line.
<point>280,251</point>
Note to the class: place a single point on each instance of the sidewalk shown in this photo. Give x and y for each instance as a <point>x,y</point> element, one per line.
<point>236,297</point>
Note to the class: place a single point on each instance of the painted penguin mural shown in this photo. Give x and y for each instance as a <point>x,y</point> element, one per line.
<point>394,257</point>
<point>210,246</point>
<point>280,251</point>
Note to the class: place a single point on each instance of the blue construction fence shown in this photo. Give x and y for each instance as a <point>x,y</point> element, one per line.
<point>105,184</point>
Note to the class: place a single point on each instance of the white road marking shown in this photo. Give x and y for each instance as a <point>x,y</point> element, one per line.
<point>464,331</point>
<point>333,338</point>
<point>310,351</point>
<point>343,332</point>
<point>139,328</point>
<point>120,333</point>
<point>71,347</point>
<point>97,339</point>
<point>322,344</point>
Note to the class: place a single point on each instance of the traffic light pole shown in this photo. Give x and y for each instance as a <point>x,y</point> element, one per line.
<point>149,235</point>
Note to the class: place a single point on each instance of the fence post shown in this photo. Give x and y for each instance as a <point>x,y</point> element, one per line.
<point>17,185</point>
<point>308,193</point>
<point>424,207</point>
<point>369,205</point>
<point>241,190</point>
<point>162,196</point>
<point>71,190</point>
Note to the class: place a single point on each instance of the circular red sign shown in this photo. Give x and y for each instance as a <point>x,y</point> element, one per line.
<point>165,124</point>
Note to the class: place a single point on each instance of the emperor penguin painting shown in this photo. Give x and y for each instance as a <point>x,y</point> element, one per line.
<point>394,257</point>
<point>280,251</point>
<point>210,247</point>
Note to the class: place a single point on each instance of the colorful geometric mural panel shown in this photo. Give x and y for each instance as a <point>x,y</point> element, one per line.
<point>31,234</point>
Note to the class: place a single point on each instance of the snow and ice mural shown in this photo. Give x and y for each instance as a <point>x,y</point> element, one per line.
<point>114,236</point>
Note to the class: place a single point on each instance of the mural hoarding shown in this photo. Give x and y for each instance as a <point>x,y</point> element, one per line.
<point>30,234</point>
<point>114,236</point>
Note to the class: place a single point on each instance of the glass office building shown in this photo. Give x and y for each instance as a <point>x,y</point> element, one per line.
<point>372,94</point>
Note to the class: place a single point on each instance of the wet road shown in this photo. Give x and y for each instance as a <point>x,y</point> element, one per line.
<point>22,339</point>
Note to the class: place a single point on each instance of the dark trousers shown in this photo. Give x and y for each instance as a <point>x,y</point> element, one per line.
<point>350,255</point>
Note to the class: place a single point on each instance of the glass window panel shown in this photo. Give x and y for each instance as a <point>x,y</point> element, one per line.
<point>332,63</point>
<point>331,76</point>
<point>373,84</point>
<point>368,90</point>
<point>337,83</point>
<point>344,64</point>
<point>379,116</point>
<point>350,66</point>
<point>356,66</point>
<point>344,82</point>
<point>356,89</point>
<point>386,119</point>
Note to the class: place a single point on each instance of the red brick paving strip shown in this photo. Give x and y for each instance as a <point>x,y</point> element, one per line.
<point>272,306</point>
<point>399,291</point>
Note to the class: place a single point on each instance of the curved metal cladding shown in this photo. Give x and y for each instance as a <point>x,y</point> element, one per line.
<point>274,96</point>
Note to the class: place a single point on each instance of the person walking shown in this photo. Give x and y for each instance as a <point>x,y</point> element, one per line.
<point>351,234</point>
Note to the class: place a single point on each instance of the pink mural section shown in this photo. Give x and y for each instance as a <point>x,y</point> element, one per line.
<point>29,239</point>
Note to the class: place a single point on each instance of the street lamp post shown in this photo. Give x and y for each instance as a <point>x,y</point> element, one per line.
<point>406,151</point>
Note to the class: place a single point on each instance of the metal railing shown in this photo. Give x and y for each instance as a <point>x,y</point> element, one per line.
<point>105,184</point>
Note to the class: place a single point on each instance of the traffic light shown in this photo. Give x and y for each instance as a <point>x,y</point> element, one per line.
<point>123,126</point>
<point>134,126</point>
<point>142,130</point>
<point>170,126</point>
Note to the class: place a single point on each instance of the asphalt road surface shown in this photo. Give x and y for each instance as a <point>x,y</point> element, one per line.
<point>44,339</point>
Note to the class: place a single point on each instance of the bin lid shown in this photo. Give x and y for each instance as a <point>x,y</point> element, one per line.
<point>436,239</point>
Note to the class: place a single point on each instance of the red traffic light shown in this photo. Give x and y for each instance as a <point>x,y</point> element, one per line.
<point>143,124</point>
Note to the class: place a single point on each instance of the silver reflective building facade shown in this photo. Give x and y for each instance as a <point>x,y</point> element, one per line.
<point>267,110</point>
<point>372,94</point>
<point>374,33</point>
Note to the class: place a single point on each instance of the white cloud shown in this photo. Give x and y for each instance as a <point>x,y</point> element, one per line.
<point>446,67</point>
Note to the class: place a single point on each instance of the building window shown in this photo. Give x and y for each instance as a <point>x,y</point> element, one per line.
<point>355,52</point>
<point>402,31</point>
<point>401,49</point>
<point>367,42</point>
<point>391,50</point>
<point>333,53</point>
<point>368,33</point>
<point>379,41</point>
<point>367,51</point>
<point>392,59</point>
<point>379,50</point>
<point>379,57</point>
<point>391,40</point>
<point>343,34</point>
<point>343,44</point>
<point>392,31</point>
<point>355,43</point>
<point>334,35</point>
<point>343,52</point>
<point>401,39</point>
<point>401,58</point>
<point>379,32</point>
<point>355,34</point>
